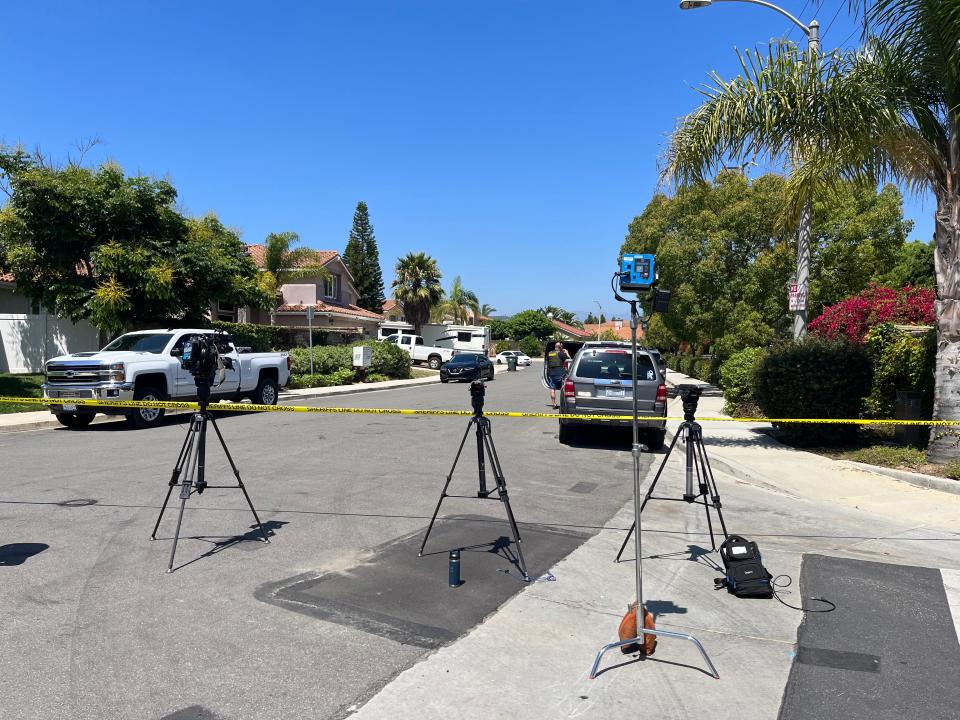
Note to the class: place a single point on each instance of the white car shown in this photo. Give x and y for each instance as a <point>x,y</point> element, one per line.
<point>522,359</point>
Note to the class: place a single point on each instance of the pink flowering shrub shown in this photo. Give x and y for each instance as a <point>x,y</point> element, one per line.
<point>852,318</point>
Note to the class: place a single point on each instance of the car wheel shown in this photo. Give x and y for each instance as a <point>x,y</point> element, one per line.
<point>146,417</point>
<point>267,391</point>
<point>499,362</point>
<point>655,439</point>
<point>75,420</point>
<point>434,363</point>
<point>444,380</point>
<point>566,434</point>
<point>491,374</point>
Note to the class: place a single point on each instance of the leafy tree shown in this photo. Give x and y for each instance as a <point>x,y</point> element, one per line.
<point>459,304</point>
<point>287,264</point>
<point>499,329</point>
<point>913,266</point>
<point>531,346</point>
<point>602,319</point>
<point>531,322</point>
<point>417,287</point>
<point>610,334</point>
<point>890,110</point>
<point>362,258</point>
<point>658,335</point>
<point>564,316</point>
<point>95,244</point>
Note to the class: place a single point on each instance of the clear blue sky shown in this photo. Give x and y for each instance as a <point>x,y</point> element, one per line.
<point>512,140</point>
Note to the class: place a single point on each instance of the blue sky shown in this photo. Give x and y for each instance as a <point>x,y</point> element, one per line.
<point>512,140</point>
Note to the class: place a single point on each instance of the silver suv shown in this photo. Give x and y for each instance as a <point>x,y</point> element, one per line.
<point>599,383</point>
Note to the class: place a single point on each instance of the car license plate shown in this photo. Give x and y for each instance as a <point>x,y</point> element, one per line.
<point>616,392</point>
<point>69,408</point>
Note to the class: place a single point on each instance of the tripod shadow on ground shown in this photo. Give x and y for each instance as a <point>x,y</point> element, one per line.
<point>19,553</point>
<point>220,544</point>
<point>501,547</point>
<point>664,607</point>
<point>693,553</point>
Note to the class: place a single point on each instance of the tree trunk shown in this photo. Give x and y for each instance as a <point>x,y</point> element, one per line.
<point>945,441</point>
<point>803,270</point>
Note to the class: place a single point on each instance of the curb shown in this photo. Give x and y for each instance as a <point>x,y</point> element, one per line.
<point>931,482</point>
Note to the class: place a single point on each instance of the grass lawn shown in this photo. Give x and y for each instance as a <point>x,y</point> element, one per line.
<point>20,386</point>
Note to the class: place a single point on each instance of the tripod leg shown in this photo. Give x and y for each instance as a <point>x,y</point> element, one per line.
<point>504,498</point>
<point>446,485</point>
<point>712,485</point>
<point>650,490</point>
<point>202,453</point>
<point>185,450</point>
<point>236,474</point>
<point>185,488</point>
<point>481,460</point>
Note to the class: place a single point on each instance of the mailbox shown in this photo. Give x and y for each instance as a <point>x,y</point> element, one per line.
<point>362,356</point>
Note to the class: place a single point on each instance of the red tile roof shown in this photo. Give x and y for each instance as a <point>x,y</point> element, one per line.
<point>6,277</point>
<point>322,307</point>
<point>623,332</point>
<point>259,255</point>
<point>389,305</point>
<point>571,330</point>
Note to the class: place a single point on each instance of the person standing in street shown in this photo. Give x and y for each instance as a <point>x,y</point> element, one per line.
<point>556,370</point>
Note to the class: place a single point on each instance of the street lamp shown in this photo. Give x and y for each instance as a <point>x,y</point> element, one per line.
<point>598,317</point>
<point>812,31</point>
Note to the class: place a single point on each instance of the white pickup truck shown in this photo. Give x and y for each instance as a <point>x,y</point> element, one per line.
<point>434,357</point>
<point>141,366</point>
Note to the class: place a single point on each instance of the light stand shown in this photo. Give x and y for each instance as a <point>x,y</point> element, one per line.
<point>193,458</point>
<point>485,449</point>
<point>637,509</point>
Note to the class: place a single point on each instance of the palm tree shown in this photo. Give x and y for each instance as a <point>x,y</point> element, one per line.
<point>284,263</point>
<point>459,304</point>
<point>417,287</point>
<point>889,111</point>
<point>564,316</point>
<point>487,310</point>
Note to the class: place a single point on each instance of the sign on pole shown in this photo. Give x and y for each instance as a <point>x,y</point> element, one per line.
<point>798,299</point>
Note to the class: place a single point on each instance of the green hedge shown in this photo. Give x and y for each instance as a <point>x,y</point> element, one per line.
<point>815,378</point>
<point>338,377</point>
<point>701,367</point>
<point>531,346</point>
<point>387,359</point>
<point>738,378</point>
<point>266,338</point>
<point>901,361</point>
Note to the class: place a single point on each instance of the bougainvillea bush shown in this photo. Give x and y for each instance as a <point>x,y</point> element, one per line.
<point>853,317</point>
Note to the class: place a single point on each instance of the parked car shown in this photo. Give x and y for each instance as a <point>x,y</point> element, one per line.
<point>419,352</point>
<point>599,382</point>
<point>522,358</point>
<point>658,360</point>
<point>467,366</point>
<point>141,366</point>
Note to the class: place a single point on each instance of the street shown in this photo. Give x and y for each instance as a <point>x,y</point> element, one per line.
<point>95,628</point>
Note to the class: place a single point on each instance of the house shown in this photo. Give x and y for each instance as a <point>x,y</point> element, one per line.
<point>30,334</point>
<point>332,299</point>
<point>621,328</point>
<point>393,311</point>
<point>569,332</point>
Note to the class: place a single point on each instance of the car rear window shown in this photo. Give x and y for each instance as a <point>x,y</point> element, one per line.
<point>613,365</point>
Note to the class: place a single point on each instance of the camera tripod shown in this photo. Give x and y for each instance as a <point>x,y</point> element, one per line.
<point>192,458</point>
<point>697,466</point>
<point>485,449</point>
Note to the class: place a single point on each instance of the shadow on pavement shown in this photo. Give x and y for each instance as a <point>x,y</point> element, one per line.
<point>19,553</point>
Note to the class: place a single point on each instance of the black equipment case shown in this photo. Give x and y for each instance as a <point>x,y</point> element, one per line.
<point>745,574</point>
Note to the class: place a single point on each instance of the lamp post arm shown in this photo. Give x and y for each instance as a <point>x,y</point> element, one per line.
<point>795,21</point>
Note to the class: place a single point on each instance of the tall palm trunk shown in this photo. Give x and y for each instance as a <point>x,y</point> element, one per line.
<point>945,441</point>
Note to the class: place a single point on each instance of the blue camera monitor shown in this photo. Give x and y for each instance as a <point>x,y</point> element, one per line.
<point>637,272</point>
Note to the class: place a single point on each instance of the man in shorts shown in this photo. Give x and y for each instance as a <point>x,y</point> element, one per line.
<point>556,370</point>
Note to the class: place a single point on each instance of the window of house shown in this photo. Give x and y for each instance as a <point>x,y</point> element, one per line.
<point>464,337</point>
<point>331,286</point>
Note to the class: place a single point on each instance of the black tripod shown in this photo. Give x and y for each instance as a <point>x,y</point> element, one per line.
<point>485,449</point>
<point>697,466</point>
<point>193,458</point>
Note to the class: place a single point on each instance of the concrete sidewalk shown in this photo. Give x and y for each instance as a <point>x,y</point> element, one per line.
<point>532,658</point>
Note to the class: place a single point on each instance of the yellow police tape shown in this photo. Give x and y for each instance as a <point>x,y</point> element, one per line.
<point>249,407</point>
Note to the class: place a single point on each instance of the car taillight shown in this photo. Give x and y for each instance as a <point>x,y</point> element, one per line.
<point>661,394</point>
<point>569,392</point>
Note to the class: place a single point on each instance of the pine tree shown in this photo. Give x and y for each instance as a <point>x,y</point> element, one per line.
<point>602,319</point>
<point>362,258</point>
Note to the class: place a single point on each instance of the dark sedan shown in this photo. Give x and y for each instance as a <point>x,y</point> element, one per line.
<point>467,366</point>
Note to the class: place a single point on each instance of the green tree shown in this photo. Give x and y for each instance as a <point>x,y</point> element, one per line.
<point>913,266</point>
<point>459,304</point>
<point>591,319</point>
<point>486,310</point>
<point>564,316</point>
<point>95,244</point>
<point>287,264</point>
<point>602,319</point>
<point>531,322</point>
<point>362,258</point>
<point>888,111</point>
<point>499,329</point>
<point>417,287</point>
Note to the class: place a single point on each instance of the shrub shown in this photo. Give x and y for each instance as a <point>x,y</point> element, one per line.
<point>887,456</point>
<point>338,377</point>
<point>259,338</point>
<point>531,346</point>
<point>387,359</point>
<point>376,377</point>
<point>901,361</point>
<point>853,317</point>
<point>814,378</point>
<point>505,345</point>
<point>738,378</point>
<point>952,469</point>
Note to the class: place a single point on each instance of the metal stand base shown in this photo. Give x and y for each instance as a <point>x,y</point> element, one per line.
<point>485,450</point>
<point>193,458</point>
<point>697,468</point>
<point>658,633</point>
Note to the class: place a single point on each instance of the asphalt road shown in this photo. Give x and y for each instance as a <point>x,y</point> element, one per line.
<point>92,626</point>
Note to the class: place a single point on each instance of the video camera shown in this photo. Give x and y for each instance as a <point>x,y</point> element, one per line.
<point>477,392</point>
<point>690,397</point>
<point>202,355</point>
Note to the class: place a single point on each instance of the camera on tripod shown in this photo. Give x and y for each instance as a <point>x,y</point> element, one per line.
<point>690,397</point>
<point>203,355</point>
<point>477,392</point>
